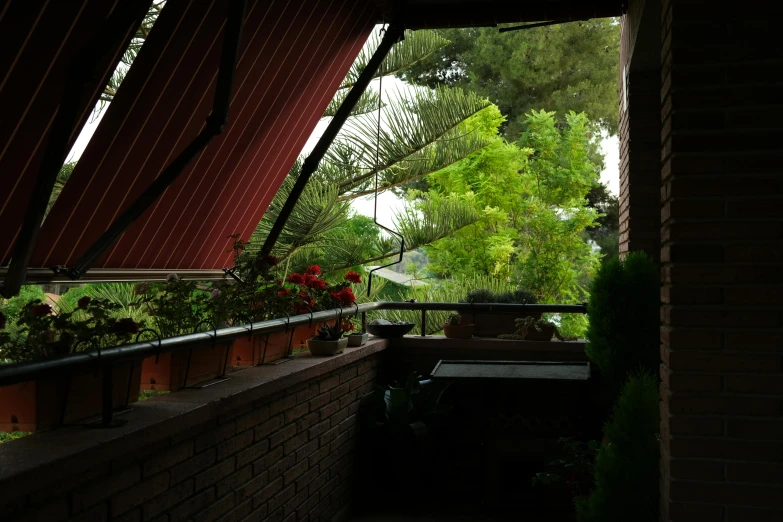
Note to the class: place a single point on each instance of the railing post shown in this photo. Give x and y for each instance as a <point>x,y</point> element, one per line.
<point>423,322</point>
<point>107,396</point>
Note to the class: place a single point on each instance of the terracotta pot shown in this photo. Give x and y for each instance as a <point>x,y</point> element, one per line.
<point>546,333</point>
<point>319,347</point>
<point>45,403</point>
<point>357,339</point>
<point>262,349</point>
<point>458,331</point>
<point>302,334</point>
<point>169,371</point>
<point>492,324</point>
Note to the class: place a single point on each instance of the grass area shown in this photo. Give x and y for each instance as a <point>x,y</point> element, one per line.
<point>8,437</point>
<point>148,394</point>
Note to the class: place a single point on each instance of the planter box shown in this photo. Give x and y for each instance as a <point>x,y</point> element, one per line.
<point>491,324</point>
<point>250,351</point>
<point>458,331</point>
<point>546,333</point>
<point>327,348</point>
<point>169,371</point>
<point>45,403</point>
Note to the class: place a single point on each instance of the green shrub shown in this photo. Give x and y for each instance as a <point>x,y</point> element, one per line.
<point>624,331</point>
<point>626,468</point>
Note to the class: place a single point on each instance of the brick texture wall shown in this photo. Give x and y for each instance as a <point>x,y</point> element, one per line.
<point>288,457</point>
<point>721,253</point>
<point>640,136</point>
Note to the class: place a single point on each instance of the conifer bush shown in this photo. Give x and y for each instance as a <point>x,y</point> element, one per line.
<point>626,467</point>
<point>624,331</point>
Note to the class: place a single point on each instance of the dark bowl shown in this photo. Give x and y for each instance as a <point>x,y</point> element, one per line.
<point>389,331</point>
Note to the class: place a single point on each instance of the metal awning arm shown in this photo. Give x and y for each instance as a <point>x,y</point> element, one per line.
<point>393,34</point>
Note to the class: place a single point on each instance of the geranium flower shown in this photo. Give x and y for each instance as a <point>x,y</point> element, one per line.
<point>353,277</point>
<point>316,284</point>
<point>296,279</point>
<point>284,291</point>
<point>126,325</point>
<point>313,269</point>
<point>345,296</point>
<point>271,260</point>
<point>41,310</point>
<point>84,301</point>
<point>347,325</point>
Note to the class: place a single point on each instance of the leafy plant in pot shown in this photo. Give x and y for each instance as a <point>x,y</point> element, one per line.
<point>454,330</point>
<point>330,340</point>
<point>532,329</point>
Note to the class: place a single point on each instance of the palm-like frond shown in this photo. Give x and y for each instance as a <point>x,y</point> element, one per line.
<point>414,121</point>
<point>316,212</point>
<point>416,46</point>
<point>368,102</point>
<point>456,144</point>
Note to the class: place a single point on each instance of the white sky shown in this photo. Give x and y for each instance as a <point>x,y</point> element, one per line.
<point>387,201</point>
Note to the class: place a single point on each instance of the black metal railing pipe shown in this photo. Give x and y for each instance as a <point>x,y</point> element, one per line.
<point>27,371</point>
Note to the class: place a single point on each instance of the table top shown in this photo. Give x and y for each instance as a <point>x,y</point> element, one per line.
<point>569,371</point>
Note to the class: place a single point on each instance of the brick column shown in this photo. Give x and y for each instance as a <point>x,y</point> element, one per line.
<point>721,253</point>
<point>640,130</point>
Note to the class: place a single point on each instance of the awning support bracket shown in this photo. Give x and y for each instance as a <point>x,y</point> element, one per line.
<point>394,34</point>
<point>215,124</point>
<point>81,74</point>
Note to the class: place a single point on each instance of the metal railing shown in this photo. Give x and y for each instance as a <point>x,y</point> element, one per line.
<point>104,359</point>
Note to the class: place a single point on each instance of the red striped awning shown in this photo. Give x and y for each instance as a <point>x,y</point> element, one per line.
<point>292,57</point>
<point>39,41</point>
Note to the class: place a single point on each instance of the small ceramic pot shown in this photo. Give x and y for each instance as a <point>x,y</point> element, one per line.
<point>357,339</point>
<point>319,347</point>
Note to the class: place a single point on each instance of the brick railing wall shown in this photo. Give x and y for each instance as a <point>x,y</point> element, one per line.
<point>722,225</point>
<point>273,443</point>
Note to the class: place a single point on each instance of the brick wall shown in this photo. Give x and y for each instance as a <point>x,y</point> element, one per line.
<point>721,253</point>
<point>639,132</point>
<point>284,457</point>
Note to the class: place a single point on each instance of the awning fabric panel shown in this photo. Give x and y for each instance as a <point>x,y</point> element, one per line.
<point>292,57</point>
<point>40,40</point>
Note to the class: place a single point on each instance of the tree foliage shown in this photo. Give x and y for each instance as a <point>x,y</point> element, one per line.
<point>531,196</point>
<point>561,68</point>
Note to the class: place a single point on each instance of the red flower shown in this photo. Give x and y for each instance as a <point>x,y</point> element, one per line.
<point>279,282</point>
<point>126,325</point>
<point>353,276</point>
<point>345,296</point>
<point>284,291</point>
<point>309,278</point>
<point>41,310</point>
<point>270,260</point>
<point>296,279</point>
<point>84,301</point>
<point>313,269</point>
<point>2,321</point>
<point>347,326</point>
<point>316,284</point>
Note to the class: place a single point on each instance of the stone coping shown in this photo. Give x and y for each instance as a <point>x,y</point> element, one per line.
<point>48,457</point>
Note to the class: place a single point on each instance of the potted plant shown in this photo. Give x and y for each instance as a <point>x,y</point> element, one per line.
<point>492,324</point>
<point>532,329</point>
<point>329,341</point>
<point>41,332</point>
<point>354,338</point>
<point>454,330</point>
<point>178,307</point>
